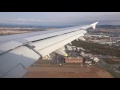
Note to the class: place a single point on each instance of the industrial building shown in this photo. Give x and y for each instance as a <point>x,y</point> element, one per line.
<point>73,60</point>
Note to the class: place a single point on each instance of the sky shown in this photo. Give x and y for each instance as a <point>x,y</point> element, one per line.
<point>60,18</point>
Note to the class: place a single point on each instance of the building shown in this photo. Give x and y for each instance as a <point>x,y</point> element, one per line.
<point>73,60</point>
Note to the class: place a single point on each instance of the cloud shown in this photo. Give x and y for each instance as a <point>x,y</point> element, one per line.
<point>60,17</point>
<point>28,20</point>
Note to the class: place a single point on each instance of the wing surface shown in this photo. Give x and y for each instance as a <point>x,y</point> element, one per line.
<point>18,52</point>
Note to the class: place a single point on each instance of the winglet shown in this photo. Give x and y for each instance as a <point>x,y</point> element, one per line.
<point>94,25</point>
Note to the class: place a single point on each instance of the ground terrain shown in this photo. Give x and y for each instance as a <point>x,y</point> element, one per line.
<point>66,71</point>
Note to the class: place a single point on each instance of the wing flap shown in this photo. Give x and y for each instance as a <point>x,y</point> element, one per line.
<point>16,72</point>
<point>22,55</point>
<point>50,41</point>
<point>54,47</point>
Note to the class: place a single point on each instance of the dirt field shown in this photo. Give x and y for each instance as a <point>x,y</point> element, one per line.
<point>67,71</point>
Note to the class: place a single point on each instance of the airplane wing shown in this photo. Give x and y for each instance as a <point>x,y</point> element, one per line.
<point>18,52</point>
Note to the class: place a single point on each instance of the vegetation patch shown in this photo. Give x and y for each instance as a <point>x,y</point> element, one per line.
<point>99,49</point>
<point>118,68</point>
<point>110,61</point>
<point>115,74</point>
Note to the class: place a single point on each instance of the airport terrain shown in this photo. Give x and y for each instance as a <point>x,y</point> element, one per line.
<point>109,56</point>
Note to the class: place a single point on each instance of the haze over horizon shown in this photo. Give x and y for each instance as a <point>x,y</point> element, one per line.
<point>60,18</point>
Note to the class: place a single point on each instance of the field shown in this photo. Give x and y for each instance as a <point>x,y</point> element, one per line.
<point>66,71</point>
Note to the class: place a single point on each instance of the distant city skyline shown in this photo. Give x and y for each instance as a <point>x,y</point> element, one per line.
<point>60,18</point>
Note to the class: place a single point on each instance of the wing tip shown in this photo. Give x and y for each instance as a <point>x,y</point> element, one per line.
<point>94,25</point>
